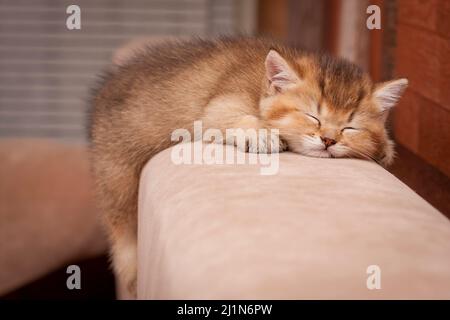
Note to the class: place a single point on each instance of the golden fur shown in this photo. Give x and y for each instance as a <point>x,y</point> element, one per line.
<point>322,106</point>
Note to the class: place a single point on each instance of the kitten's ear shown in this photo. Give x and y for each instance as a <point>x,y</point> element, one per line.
<point>278,72</point>
<point>388,93</point>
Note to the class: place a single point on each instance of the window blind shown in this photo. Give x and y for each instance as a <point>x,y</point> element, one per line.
<point>46,70</point>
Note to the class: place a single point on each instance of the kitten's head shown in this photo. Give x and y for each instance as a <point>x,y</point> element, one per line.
<point>327,107</point>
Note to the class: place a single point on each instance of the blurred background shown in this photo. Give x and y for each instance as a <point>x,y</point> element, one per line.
<point>46,71</point>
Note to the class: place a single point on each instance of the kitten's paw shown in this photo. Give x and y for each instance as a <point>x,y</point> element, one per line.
<point>132,288</point>
<point>271,143</point>
<point>128,285</point>
<point>258,142</point>
<point>124,258</point>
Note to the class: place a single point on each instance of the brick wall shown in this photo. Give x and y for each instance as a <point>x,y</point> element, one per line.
<point>422,54</point>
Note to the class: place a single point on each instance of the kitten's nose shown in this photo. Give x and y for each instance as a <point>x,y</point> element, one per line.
<point>328,142</point>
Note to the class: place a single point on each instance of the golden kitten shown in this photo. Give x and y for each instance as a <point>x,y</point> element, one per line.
<point>322,107</point>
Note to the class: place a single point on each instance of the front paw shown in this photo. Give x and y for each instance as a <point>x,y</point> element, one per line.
<point>270,143</point>
<point>259,141</point>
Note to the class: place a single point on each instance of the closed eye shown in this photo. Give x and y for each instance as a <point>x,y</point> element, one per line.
<point>348,128</point>
<point>314,118</point>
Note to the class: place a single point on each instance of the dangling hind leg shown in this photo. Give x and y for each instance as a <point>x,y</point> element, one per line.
<point>123,239</point>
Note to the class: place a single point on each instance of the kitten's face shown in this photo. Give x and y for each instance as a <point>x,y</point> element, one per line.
<point>328,108</point>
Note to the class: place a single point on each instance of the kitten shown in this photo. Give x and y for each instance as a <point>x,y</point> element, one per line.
<point>322,106</point>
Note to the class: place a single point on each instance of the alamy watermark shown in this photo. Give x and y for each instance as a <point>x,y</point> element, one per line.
<point>373,281</point>
<point>374,20</point>
<point>73,22</point>
<point>74,280</point>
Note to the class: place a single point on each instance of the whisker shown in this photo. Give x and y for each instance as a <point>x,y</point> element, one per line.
<point>364,155</point>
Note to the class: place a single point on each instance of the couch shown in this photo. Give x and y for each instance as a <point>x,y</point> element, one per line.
<point>318,229</point>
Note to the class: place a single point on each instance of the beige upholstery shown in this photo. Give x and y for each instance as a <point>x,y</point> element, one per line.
<point>47,216</point>
<point>310,231</point>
